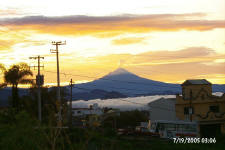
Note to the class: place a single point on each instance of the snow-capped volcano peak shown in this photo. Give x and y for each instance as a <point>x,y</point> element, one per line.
<point>119,71</point>
<point>121,74</point>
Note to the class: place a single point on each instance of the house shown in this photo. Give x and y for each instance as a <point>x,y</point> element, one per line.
<point>198,104</point>
<point>87,116</point>
<point>82,112</point>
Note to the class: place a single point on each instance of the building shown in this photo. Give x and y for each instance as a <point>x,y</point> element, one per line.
<point>87,116</point>
<point>162,109</point>
<point>82,112</point>
<point>198,104</point>
<point>92,116</point>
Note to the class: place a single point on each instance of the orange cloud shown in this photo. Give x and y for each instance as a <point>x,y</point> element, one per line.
<point>5,45</point>
<point>10,12</point>
<point>104,26</point>
<point>10,38</point>
<point>129,40</point>
<point>167,66</point>
<point>188,55</point>
<point>184,55</point>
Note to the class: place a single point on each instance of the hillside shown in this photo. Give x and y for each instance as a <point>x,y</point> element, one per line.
<point>128,84</point>
<point>117,84</point>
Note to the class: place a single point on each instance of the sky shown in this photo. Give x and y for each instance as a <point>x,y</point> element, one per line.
<point>168,41</point>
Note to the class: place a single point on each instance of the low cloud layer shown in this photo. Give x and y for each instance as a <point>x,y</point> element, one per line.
<point>124,104</point>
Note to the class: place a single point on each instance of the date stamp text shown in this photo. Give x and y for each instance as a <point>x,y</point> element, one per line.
<point>189,140</point>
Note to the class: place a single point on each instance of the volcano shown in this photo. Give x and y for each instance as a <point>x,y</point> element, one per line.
<point>117,84</point>
<point>129,84</point>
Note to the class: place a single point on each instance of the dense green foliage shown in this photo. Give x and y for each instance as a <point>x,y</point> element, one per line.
<point>126,119</point>
<point>2,70</point>
<point>20,131</point>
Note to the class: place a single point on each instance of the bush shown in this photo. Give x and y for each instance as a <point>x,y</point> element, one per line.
<point>18,132</point>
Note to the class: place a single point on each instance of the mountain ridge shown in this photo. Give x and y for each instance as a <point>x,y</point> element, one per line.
<point>131,85</point>
<point>123,81</point>
<point>117,84</point>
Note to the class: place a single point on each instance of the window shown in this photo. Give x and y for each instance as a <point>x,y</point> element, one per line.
<point>188,109</point>
<point>180,127</point>
<point>192,110</point>
<point>78,111</point>
<point>193,128</point>
<point>214,109</point>
<point>189,128</point>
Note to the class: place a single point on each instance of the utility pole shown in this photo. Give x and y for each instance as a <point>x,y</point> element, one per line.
<point>39,82</point>
<point>190,108</point>
<point>58,78</point>
<point>71,98</point>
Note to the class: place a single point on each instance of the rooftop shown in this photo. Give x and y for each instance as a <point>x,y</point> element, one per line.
<point>197,82</point>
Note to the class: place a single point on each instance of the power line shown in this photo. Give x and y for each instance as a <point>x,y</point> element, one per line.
<point>119,88</point>
<point>92,89</point>
<point>109,87</point>
<point>141,103</point>
<point>129,82</point>
<point>132,102</point>
<point>127,89</point>
<point>135,102</point>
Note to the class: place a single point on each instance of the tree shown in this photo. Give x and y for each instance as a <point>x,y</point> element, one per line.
<point>2,70</point>
<point>127,119</point>
<point>17,74</point>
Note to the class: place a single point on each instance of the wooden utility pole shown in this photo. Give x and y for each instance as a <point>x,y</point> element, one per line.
<point>58,78</point>
<point>190,108</point>
<point>39,82</point>
<point>71,98</point>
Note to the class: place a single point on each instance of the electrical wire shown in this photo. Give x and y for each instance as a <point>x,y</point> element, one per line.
<point>129,82</point>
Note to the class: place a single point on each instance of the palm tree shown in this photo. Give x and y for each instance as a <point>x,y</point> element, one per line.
<point>2,70</point>
<point>17,74</point>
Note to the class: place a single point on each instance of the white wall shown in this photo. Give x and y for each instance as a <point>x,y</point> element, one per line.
<point>162,109</point>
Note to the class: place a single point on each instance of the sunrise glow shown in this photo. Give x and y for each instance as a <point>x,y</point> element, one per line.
<point>168,41</point>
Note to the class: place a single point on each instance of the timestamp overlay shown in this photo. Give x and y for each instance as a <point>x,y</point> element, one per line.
<point>189,140</point>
